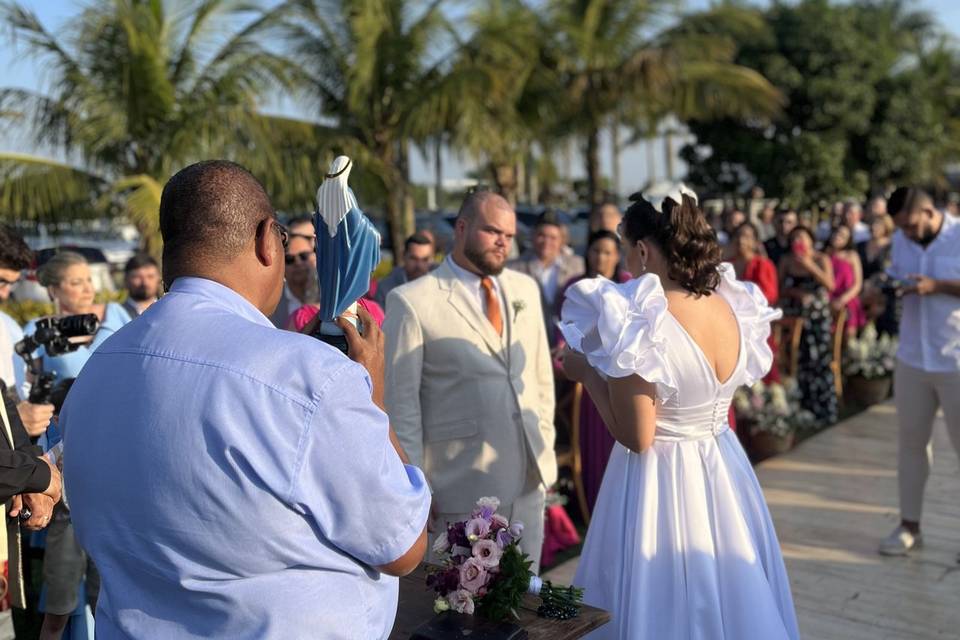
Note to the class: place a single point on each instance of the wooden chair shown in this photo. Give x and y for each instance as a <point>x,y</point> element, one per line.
<point>568,416</point>
<point>787,332</point>
<point>837,338</point>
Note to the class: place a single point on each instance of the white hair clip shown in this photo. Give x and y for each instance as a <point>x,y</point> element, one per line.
<point>677,196</point>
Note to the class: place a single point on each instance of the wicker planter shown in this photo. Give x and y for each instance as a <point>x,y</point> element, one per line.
<point>866,392</point>
<point>764,445</point>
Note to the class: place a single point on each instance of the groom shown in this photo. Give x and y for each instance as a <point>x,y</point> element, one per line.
<point>469,376</point>
<point>231,480</point>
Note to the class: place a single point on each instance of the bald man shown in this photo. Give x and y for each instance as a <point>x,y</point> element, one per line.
<point>469,376</point>
<point>240,482</point>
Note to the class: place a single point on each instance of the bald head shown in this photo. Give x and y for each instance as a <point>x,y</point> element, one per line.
<point>477,201</point>
<point>209,213</point>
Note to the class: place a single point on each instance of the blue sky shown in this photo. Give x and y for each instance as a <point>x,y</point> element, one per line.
<point>23,72</point>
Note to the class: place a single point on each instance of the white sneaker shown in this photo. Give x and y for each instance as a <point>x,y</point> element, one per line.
<point>900,542</point>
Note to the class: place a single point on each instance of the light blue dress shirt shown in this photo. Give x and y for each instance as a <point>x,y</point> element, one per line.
<point>235,481</point>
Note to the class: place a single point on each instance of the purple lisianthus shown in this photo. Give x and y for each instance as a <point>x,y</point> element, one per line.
<point>498,522</point>
<point>457,534</point>
<point>487,552</point>
<point>504,538</point>
<point>516,529</point>
<point>473,575</point>
<point>476,529</point>
<point>461,601</point>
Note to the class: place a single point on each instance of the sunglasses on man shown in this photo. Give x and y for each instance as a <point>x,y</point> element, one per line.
<point>296,258</point>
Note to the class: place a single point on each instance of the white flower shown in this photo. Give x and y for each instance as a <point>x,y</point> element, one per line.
<point>441,544</point>
<point>489,501</point>
<point>461,601</point>
<point>440,605</point>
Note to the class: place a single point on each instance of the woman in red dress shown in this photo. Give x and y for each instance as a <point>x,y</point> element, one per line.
<point>751,265</point>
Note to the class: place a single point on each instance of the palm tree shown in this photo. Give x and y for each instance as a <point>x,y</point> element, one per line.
<point>609,63</point>
<point>506,96</point>
<point>139,89</point>
<point>376,68</point>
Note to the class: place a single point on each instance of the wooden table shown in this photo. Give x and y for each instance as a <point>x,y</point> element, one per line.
<point>416,607</point>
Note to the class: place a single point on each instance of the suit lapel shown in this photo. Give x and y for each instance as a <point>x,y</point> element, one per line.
<point>466,306</point>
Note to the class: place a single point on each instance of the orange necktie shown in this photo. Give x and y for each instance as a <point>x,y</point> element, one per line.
<point>493,305</point>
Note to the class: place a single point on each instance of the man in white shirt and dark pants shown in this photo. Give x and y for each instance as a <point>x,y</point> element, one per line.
<point>926,256</point>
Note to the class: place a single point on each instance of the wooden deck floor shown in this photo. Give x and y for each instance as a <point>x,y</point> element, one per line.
<point>832,499</point>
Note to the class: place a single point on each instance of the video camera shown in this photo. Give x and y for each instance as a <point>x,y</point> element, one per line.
<point>53,334</point>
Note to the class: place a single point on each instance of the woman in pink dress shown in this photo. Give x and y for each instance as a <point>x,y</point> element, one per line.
<point>302,316</point>
<point>602,260</point>
<point>848,279</point>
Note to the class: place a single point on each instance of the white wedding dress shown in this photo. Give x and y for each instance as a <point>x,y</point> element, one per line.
<point>680,545</point>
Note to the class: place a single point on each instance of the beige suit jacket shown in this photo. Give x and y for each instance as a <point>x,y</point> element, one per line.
<point>465,403</point>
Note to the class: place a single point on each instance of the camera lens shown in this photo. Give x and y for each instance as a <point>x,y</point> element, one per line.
<point>79,325</point>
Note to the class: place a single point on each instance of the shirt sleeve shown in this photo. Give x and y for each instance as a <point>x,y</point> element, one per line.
<point>21,470</point>
<point>349,479</point>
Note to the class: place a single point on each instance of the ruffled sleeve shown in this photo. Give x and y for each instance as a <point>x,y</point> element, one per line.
<point>754,315</point>
<point>617,327</point>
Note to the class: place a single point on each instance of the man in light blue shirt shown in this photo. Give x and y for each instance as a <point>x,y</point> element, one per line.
<point>231,480</point>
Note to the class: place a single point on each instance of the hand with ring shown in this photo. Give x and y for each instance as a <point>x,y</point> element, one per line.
<point>41,510</point>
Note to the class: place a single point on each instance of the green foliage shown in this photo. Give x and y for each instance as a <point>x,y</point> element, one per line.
<point>139,88</point>
<point>23,311</point>
<point>867,91</point>
<point>510,585</point>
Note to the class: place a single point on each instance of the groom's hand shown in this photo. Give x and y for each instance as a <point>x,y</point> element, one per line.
<point>366,349</point>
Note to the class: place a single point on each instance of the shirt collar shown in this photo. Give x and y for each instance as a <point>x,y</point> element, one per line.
<point>468,278</point>
<point>220,295</point>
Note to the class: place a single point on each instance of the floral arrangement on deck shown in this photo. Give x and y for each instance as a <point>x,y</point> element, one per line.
<point>483,570</point>
<point>870,356</point>
<point>773,408</point>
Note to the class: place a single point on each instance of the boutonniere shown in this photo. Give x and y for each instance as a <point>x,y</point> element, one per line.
<point>518,306</point>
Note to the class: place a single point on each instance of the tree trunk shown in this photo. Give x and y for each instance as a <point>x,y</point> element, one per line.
<point>594,191</point>
<point>651,162</point>
<point>615,156</point>
<point>668,151</point>
<point>438,172</point>
<point>505,177</point>
<point>399,222</point>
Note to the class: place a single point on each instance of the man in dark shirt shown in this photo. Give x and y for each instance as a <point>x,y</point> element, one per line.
<point>777,246</point>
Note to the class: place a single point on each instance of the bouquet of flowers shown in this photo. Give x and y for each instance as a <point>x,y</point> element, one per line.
<point>870,356</point>
<point>483,570</point>
<point>773,408</point>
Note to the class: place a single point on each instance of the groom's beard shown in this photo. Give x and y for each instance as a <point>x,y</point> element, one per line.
<point>487,262</point>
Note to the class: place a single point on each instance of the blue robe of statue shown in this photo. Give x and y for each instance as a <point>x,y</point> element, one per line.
<point>345,261</point>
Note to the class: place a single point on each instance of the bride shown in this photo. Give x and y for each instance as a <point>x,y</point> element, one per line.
<point>681,544</point>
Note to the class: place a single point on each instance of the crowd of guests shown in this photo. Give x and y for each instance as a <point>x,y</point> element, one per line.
<point>831,275</point>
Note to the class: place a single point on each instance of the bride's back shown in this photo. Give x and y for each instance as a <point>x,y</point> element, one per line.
<point>712,326</point>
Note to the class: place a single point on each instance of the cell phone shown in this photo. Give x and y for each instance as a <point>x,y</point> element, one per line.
<point>799,249</point>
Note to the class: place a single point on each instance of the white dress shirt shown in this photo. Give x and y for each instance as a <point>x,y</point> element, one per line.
<point>929,325</point>
<point>472,282</point>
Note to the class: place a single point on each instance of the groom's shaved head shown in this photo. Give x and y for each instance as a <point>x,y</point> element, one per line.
<point>209,212</point>
<point>476,201</point>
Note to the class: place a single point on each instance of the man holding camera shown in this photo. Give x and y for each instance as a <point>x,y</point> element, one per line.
<point>926,262</point>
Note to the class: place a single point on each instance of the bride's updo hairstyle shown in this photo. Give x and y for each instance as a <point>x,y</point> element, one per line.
<point>683,235</point>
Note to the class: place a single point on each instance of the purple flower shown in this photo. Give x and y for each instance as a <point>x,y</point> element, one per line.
<point>516,529</point>
<point>477,528</point>
<point>498,522</point>
<point>504,538</point>
<point>473,575</point>
<point>461,601</point>
<point>457,535</point>
<point>487,552</point>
